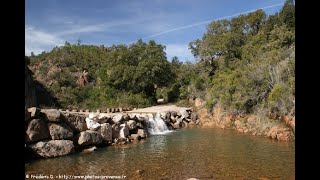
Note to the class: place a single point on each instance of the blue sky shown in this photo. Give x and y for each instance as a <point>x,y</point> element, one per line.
<point>173,23</point>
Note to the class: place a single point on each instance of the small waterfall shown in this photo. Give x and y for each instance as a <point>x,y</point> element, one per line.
<point>156,125</point>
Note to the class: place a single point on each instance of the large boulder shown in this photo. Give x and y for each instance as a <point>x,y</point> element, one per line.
<point>106,132</point>
<point>52,115</point>
<point>165,116</point>
<point>37,130</point>
<point>177,125</point>
<point>117,118</point>
<point>89,137</point>
<point>103,118</point>
<point>92,125</point>
<point>52,148</point>
<point>124,131</point>
<point>132,124</point>
<point>142,133</point>
<point>60,131</point>
<point>93,115</point>
<point>115,130</point>
<point>184,113</point>
<point>76,122</point>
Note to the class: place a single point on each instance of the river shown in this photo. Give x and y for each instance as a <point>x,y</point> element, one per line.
<point>198,153</point>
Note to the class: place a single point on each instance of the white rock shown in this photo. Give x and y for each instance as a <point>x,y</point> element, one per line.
<point>91,124</point>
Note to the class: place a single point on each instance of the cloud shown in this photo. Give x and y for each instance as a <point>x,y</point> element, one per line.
<point>179,50</point>
<point>37,41</point>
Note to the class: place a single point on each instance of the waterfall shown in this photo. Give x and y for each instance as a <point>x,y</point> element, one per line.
<point>156,125</point>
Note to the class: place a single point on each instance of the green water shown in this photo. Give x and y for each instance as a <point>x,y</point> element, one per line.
<point>187,153</point>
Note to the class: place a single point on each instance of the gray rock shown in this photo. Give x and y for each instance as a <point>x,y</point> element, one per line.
<point>117,118</point>
<point>89,137</point>
<point>106,132</point>
<point>115,130</point>
<point>76,122</point>
<point>53,115</point>
<point>132,124</point>
<point>142,133</point>
<point>52,148</point>
<point>60,131</point>
<point>177,125</point>
<point>37,130</point>
<point>165,116</point>
<point>194,117</point>
<point>184,114</point>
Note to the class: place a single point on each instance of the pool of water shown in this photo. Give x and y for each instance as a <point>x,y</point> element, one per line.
<point>183,154</point>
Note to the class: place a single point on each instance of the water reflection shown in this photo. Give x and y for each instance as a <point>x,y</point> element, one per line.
<point>200,153</point>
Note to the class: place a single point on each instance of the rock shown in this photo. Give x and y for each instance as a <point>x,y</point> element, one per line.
<point>121,141</point>
<point>52,115</point>
<point>115,130</point>
<point>184,113</point>
<point>132,124</point>
<point>135,137</point>
<point>89,149</point>
<point>177,125</point>
<point>106,132</point>
<point>139,171</point>
<point>53,148</point>
<point>93,115</point>
<point>102,118</point>
<point>124,131</point>
<point>142,133</point>
<point>198,102</point>
<point>89,137</point>
<point>133,116</point>
<point>60,131</point>
<point>184,124</point>
<point>165,116</point>
<point>37,130</point>
<point>140,125</point>
<point>117,118</point>
<point>126,117</point>
<point>92,125</point>
<point>192,179</point>
<point>76,122</point>
<point>194,116</point>
<point>34,112</point>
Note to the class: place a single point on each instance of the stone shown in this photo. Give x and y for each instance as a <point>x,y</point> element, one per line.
<point>76,122</point>
<point>92,125</point>
<point>194,117</point>
<point>52,115</point>
<point>117,118</point>
<point>115,130</point>
<point>106,132</point>
<point>184,124</point>
<point>132,124</point>
<point>165,116</point>
<point>37,130</point>
<point>139,125</point>
<point>142,133</point>
<point>93,115</point>
<point>89,137</point>
<point>135,137</point>
<point>53,148</point>
<point>177,125</point>
<point>34,112</point>
<point>124,131</point>
<point>89,149</point>
<point>60,131</point>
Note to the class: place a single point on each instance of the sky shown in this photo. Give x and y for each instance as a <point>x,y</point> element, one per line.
<point>173,23</point>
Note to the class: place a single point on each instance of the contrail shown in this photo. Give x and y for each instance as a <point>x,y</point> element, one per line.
<point>208,21</point>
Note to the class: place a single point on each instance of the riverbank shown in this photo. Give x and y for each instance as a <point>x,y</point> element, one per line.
<point>281,128</point>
